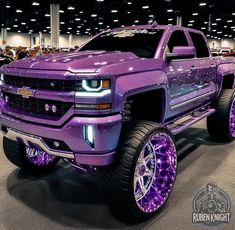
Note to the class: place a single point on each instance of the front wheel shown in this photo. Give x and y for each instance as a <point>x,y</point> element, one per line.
<point>144,172</point>
<point>29,158</point>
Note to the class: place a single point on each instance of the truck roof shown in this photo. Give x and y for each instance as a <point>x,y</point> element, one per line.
<point>157,27</point>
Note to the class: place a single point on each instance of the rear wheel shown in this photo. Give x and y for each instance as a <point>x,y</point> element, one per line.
<point>221,124</point>
<point>29,158</point>
<point>144,172</point>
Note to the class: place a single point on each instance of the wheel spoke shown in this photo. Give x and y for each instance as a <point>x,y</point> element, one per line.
<point>155,172</point>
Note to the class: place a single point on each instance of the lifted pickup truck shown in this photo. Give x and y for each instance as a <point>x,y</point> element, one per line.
<point>114,107</point>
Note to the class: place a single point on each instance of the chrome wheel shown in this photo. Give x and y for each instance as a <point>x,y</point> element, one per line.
<point>155,172</point>
<point>38,157</point>
<point>232,119</point>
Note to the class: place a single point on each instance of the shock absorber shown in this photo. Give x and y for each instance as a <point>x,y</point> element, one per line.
<point>126,114</point>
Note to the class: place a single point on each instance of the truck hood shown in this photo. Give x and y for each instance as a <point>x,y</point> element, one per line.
<point>89,62</point>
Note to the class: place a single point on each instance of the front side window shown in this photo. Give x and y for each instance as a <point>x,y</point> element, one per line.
<point>141,42</point>
<point>177,38</point>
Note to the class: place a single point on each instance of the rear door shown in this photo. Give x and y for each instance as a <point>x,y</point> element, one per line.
<point>206,67</point>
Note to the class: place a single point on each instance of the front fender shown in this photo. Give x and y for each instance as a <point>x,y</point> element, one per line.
<point>223,71</point>
<point>129,85</point>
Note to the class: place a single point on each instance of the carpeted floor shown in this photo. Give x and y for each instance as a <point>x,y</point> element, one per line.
<point>67,199</point>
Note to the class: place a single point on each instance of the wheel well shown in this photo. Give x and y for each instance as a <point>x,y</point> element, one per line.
<point>228,82</point>
<point>147,106</point>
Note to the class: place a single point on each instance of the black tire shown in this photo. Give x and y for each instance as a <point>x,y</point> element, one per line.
<point>117,179</point>
<point>218,124</point>
<point>15,153</point>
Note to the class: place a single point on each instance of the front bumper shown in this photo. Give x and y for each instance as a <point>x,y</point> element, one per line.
<point>106,133</point>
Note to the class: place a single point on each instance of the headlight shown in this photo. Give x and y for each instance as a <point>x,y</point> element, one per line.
<point>93,88</point>
<point>95,85</point>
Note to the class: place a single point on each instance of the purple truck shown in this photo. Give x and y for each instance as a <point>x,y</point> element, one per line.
<point>113,108</point>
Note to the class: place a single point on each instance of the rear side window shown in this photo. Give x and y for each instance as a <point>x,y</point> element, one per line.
<point>200,45</point>
<point>177,38</point>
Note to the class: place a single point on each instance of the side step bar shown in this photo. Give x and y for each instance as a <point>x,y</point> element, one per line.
<point>186,122</point>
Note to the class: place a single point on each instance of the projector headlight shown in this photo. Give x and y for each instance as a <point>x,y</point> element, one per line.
<point>95,85</point>
<point>93,88</point>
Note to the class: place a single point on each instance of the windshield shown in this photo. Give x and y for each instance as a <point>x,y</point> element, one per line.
<point>141,42</point>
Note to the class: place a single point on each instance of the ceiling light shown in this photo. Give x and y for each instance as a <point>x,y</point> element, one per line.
<point>195,14</point>
<point>229,21</point>
<point>62,23</point>
<point>202,4</point>
<point>19,11</point>
<point>69,28</point>
<point>218,19</point>
<point>33,20</point>
<point>81,12</point>
<point>35,3</point>
<point>128,12</point>
<point>8,6</point>
<point>94,15</point>
<point>99,0</point>
<point>170,10</point>
<point>115,20</point>
<point>170,19</point>
<point>145,7</point>
<point>44,31</point>
<point>129,3</point>
<point>114,11</point>
<point>61,11</point>
<point>214,24</point>
<point>100,23</point>
<point>71,8</point>
<point>77,19</point>
<point>190,24</point>
<point>8,28</point>
<point>47,15</point>
<point>19,31</point>
<point>136,21</point>
<point>203,28</point>
<point>48,27</point>
<point>191,21</point>
<point>15,26</point>
<point>23,23</point>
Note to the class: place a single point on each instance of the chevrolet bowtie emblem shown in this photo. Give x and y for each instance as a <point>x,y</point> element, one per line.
<point>25,92</point>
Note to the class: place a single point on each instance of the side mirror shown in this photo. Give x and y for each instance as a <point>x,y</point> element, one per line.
<point>182,52</point>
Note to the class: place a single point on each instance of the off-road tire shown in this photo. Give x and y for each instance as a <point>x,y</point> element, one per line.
<point>15,153</point>
<point>116,181</point>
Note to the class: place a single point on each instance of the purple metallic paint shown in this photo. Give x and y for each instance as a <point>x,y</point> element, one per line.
<point>180,80</point>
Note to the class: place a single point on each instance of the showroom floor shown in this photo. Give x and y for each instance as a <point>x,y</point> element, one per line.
<point>67,199</point>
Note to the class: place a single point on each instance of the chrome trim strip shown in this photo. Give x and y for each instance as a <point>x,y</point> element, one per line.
<point>13,135</point>
<point>192,100</point>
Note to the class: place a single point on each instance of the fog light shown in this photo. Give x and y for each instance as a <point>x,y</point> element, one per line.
<point>6,99</point>
<point>54,109</point>
<point>56,144</point>
<point>47,107</point>
<point>89,135</point>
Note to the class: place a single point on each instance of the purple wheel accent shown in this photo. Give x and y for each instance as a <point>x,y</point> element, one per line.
<point>155,172</point>
<point>232,119</point>
<point>38,157</point>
